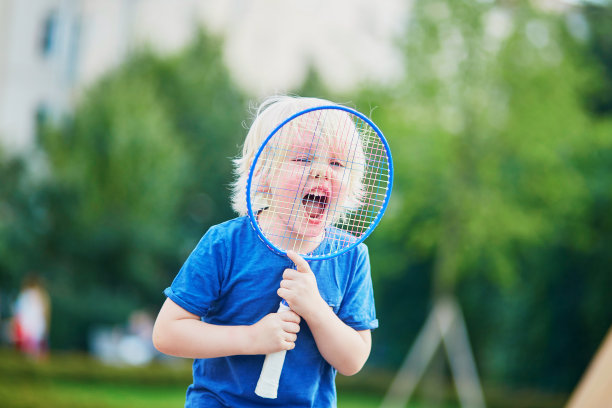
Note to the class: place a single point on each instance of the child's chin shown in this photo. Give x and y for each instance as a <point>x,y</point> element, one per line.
<point>313,228</point>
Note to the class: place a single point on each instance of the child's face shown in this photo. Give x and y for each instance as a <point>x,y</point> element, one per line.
<point>309,185</point>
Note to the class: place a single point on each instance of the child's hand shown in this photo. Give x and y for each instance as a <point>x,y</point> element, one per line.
<point>275,332</point>
<point>299,288</point>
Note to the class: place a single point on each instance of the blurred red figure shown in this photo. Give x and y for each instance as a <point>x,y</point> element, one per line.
<point>31,319</point>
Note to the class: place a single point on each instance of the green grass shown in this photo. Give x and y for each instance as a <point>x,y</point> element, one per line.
<point>73,380</point>
<point>355,400</point>
<point>79,381</point>
<point>69,394</point>
<point>73,394</point>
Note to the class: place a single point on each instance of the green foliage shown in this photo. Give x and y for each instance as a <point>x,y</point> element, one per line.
<point>502,177</point>
<point>21,220</point>
<point>485,134</point>
<point>599,41</point>
<point>136,176</point>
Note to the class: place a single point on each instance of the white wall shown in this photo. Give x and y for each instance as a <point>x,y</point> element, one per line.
<point>31,78</point>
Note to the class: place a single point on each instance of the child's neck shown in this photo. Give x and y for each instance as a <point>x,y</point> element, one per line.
<point>279,233</point>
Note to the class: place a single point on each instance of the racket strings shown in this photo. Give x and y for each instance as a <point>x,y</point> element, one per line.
<point>327,169</point>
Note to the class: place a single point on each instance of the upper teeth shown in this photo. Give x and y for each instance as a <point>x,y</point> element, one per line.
<point>315,196</point>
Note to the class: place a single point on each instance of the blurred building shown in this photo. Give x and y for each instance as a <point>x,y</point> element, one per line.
<point>50,50</point>
<point>35,65</point>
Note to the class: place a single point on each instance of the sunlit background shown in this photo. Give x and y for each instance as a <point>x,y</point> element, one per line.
<point>492,267</point>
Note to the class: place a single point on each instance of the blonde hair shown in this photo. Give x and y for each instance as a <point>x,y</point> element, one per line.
<point>271,113</point>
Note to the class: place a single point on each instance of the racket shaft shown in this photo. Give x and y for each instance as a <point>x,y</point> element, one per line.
<point>267,385</point>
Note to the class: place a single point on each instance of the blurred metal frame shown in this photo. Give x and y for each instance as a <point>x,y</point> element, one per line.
<point>444,326</point>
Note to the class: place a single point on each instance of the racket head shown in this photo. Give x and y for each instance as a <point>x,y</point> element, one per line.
<point>324,173</point>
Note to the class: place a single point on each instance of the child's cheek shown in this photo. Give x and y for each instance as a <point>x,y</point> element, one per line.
<point>338,189</point>
<point>295,172</point>
<point>340,178</point>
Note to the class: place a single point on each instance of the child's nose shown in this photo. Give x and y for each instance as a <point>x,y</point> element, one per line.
<point>320,169</point>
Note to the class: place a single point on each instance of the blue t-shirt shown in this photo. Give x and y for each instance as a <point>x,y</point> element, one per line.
<point>231,278</point>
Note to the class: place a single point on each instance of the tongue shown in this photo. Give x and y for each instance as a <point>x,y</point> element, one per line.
<point>314,208</point>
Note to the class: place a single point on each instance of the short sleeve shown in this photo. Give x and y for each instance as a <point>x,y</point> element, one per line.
<point>357,309</point>
<point>198,283</point>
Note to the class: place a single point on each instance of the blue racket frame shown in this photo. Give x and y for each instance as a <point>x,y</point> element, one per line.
<point>252,215</point>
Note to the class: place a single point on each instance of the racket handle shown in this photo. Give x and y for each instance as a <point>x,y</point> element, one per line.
<point>267,385</point>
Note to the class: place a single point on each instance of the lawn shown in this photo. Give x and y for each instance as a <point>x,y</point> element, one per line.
<point>70,394</point>
<point>79,381</point>
<point>72,380</point>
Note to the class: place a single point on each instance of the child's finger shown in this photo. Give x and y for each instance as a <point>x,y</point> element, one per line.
<point>291,327</point>
<point>283,293</point>
<point>290,274</point>
<point>290,316</point>
<point>300,263</point>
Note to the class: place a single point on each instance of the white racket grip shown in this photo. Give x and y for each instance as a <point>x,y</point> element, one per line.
<point>267,385</point>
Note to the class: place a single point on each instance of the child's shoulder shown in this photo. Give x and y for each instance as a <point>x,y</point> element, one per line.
<point>233,224</point>
<point>230,228</point>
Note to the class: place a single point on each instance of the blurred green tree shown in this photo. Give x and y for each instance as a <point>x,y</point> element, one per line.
<point>497,161</point>
<point>594,25</point>
<point>136,176</point>
<point>21,221</point>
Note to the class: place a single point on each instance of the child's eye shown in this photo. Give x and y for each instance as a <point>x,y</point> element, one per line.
<point>336,163</point>
<point>301,159</point>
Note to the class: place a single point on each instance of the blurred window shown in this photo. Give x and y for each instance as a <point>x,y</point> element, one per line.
<point>49,34</point>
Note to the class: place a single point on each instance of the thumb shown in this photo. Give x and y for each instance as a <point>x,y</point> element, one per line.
<point>300,263</point>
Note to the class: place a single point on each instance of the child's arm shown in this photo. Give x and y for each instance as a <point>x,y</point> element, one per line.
<point>342,346</point>
<point>180,333</point>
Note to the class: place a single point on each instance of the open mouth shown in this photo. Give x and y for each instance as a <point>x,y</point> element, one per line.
<point>315,204</point>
